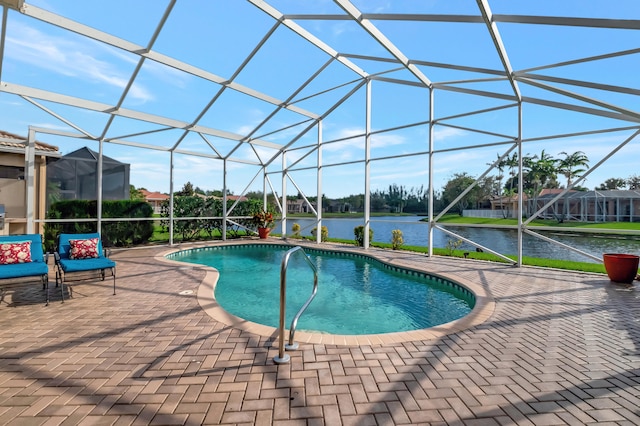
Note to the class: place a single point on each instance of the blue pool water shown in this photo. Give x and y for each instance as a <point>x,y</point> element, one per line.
<point>356,294</point>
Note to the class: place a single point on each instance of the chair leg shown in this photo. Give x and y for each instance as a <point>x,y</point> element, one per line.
<point>45,286</point>
<point>113,272</point>
<point>60,281</point>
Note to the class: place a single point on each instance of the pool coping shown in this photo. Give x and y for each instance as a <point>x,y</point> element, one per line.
<point>481,312</point>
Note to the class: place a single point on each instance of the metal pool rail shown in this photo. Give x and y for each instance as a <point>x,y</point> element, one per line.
<point>282,357</point>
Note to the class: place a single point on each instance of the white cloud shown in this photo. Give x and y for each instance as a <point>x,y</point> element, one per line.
<point>442,133</point>
<point>264,154</point>
<point>165,73</point>
<point>386,139</point>
<point>52,126</point>
<point>400,176</point>
<point>70,58</point>
<point>340,28</point>
<point>153,173</point>
<point>356,140</point>
<point>381,7</point>
<point>245,129</point>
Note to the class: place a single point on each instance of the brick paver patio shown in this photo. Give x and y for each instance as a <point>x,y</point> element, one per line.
<point>558,348</point>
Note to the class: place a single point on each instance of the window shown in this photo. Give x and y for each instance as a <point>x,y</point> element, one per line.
<point>11,172</point>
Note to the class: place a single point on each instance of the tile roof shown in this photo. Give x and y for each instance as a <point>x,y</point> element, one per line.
<point>12,140</point>
<point>148,195</point>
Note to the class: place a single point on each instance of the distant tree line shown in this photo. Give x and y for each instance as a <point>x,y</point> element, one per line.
<point>540,171</point>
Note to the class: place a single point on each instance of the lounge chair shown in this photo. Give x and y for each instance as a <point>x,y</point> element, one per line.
<point>22,256</point>
<point>81,253</point>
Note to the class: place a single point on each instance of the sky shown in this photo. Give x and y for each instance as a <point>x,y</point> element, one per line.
<point>218,36</point>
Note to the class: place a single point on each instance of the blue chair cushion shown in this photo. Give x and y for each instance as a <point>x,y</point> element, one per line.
<point>24,270</point>
<point>92,264</point>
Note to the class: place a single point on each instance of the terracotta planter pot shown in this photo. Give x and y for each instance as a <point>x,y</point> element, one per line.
<point>264,232</point>
<point>621,268</point>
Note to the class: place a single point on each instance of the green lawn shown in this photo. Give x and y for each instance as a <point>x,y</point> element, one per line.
<point>529,261</point>
<point>455,218</point>
<point>162,236</point>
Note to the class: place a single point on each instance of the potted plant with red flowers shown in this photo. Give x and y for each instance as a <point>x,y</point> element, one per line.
<point>264,221</point>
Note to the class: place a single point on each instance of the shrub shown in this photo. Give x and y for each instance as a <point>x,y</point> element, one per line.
<point>295,228</point>
<point>452,245</point>
<point>120,234</point>
<point>184,206</point>
<point>324,233</point>
<point>196,207</point>
<point>126,233</point>
<point>358,231</point>
<point>396,239</point>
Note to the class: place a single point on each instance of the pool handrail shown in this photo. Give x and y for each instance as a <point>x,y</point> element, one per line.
<point>282,357</point>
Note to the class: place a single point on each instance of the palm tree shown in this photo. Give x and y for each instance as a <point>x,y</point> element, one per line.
<point>500,165</point>
<point>540,170</point>
<point>512,163</point>
<point>572,166</point>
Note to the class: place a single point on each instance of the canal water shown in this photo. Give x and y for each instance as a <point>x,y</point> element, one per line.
<point>415,233</point>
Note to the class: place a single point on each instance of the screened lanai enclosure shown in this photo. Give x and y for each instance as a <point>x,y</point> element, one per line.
<point>328,98</point>
<point>74,177</point>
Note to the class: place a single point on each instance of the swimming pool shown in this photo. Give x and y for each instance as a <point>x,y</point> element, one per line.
<point>357,294</point>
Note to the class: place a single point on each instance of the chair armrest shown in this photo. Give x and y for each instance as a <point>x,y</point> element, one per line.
<point>46,258</point>
<point>56,257</point>
<point>107,252</point>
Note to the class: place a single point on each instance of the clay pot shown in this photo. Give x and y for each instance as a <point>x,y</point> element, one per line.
<point>264,232</point>
<point>621,268</point>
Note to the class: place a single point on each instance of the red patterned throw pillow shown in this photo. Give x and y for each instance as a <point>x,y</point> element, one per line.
<point>15,252</point>
<point>83,249</point>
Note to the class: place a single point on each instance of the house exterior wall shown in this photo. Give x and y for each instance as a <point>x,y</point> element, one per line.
<point>13,195</point>
<point>156,205</point>
<point>155,199</point>
<point>609,208</point>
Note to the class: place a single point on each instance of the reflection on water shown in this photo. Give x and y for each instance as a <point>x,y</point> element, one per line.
<point>502,241</point>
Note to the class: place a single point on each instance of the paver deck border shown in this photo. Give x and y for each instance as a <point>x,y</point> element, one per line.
<point>560,347</point>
